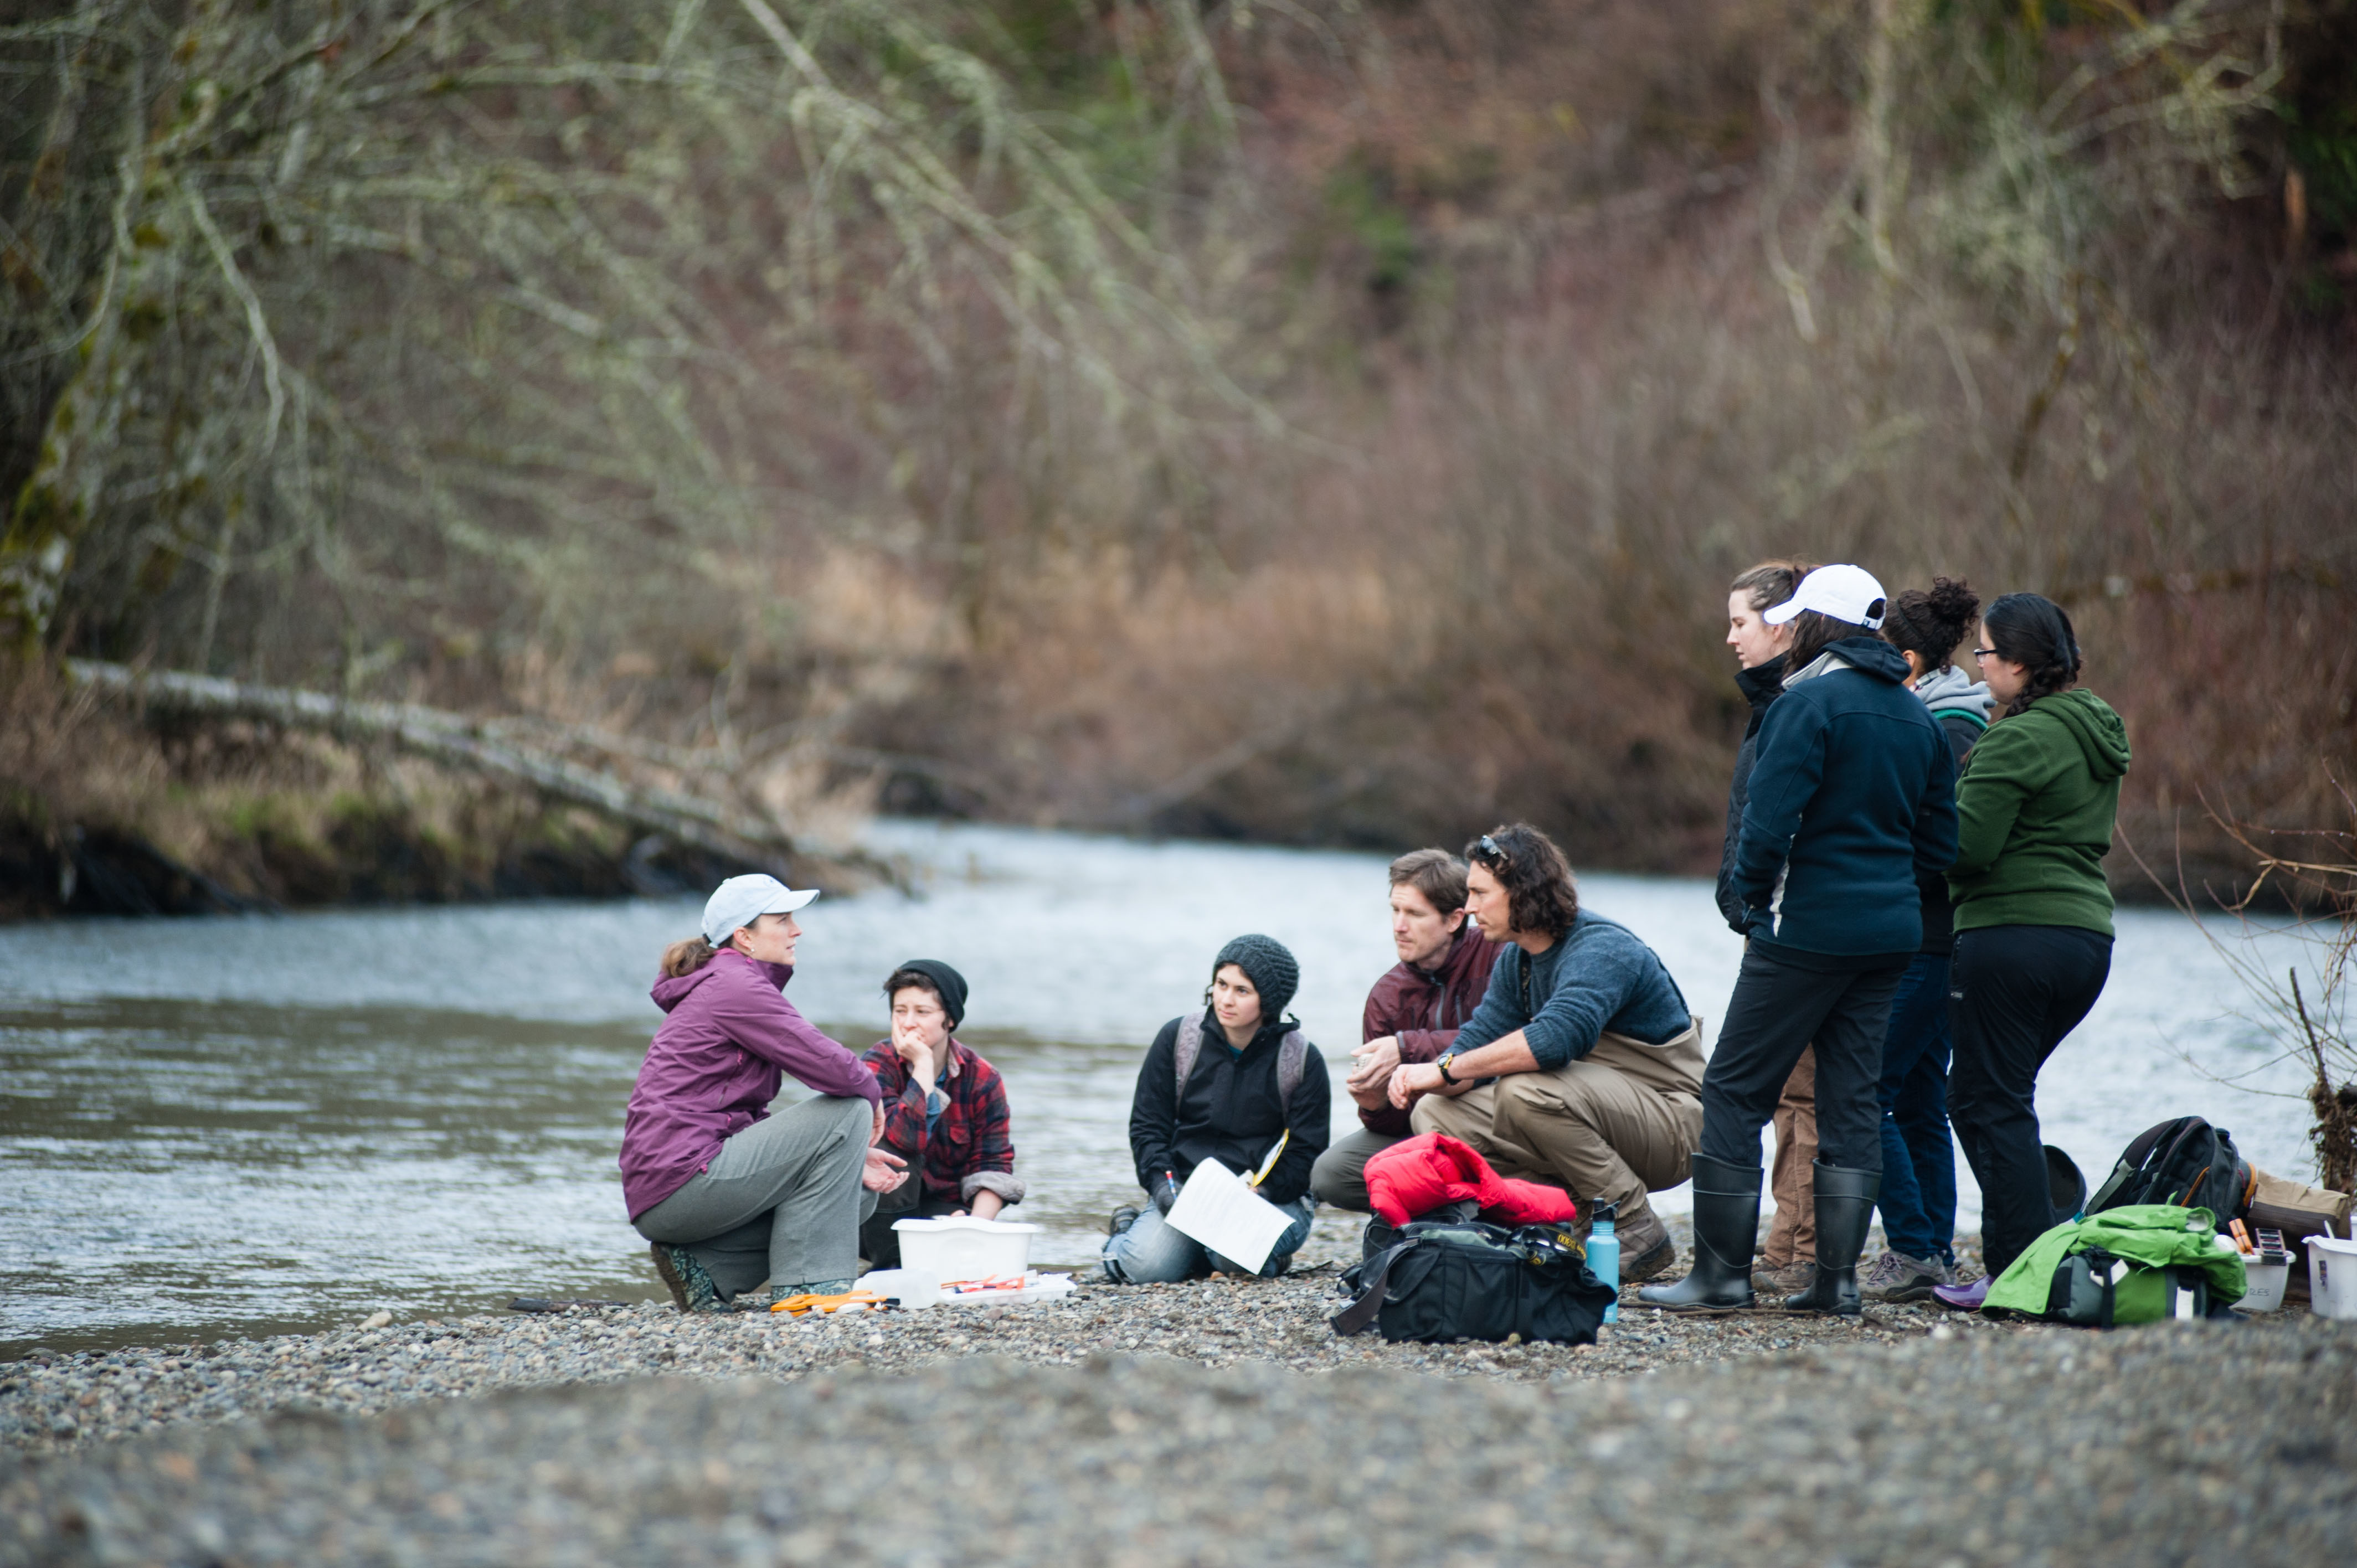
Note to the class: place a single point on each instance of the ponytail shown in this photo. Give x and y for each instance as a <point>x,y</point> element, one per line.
<point>2031,631</point>
<point>686,957</point>
<point>1932,624</point>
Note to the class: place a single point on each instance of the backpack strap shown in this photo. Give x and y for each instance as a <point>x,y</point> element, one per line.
<point>1190,1046</point>
<point>1292,1060</point>
<point>1292,1057</point>
<point>1374,1275</point>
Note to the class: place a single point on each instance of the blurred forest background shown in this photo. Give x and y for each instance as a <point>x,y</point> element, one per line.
<point>1320,421</point>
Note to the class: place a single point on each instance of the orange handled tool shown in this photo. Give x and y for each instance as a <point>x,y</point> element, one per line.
<point>848,1301</point>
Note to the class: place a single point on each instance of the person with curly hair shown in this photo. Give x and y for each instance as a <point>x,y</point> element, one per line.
<point>1583,1065</point>
<point>2033,912</point>
<point>1853,796</point>
<point>1919,1159</point>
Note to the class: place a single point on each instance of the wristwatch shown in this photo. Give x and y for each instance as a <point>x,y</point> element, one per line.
<point>1445,1077</point>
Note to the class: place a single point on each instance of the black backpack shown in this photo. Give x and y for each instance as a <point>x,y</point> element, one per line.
<point>2186,1162</point>
<point>1452,1279</point>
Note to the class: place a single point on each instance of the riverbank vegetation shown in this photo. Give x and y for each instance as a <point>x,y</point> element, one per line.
<point>1320,422</point>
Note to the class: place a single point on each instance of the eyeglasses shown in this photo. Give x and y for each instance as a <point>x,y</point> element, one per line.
<point>1983,652</point>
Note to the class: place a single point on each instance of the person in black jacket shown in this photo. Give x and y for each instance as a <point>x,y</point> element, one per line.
<point>1255,1088</point>
<point>1853,793</point>
<point>1788,1257</point>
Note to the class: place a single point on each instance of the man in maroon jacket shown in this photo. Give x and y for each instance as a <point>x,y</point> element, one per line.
<point>1412,1015</point>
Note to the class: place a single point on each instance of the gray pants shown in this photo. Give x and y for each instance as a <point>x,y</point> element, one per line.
<point>781,1200</point>
<point>1339,1177</point>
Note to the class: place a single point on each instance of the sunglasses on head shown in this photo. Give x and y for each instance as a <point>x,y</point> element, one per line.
<point>1489,848</point>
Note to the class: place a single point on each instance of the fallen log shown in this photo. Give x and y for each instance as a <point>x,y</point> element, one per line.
<point>457,740</point>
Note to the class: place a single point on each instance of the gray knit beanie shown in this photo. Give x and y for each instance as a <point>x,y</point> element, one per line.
<point>1269,965</point>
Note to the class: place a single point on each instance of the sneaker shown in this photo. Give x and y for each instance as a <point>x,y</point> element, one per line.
<point>1964,1298</point>
<point>1895,1276</point>
<point>1789,1279</point>
<point>1122,1219</point>
<point>692,1289</point>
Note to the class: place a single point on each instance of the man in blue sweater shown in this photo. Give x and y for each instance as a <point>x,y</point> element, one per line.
<point>1582,1067</point>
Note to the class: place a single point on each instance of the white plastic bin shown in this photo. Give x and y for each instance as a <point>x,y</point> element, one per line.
<point>2263,1286</point>
<point>960,1247</point>
<point>2331,1276</point>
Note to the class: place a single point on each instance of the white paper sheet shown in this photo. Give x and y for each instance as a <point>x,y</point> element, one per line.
<point>1218,1209</point>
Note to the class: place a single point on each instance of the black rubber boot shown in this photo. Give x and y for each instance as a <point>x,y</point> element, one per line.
<point>1726,1227</point>
<point>1844,1208</point>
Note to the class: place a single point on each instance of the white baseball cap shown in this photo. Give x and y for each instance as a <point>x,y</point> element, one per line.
<point>1843,593</point>
<point>741,900</point>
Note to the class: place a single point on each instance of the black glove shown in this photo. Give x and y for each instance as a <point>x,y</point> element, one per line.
<point>1166,1193</point>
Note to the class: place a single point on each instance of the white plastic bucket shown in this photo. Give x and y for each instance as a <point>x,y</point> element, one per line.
<point>2331,1276</point>
<point>2263,1286</point>
<point>960,1247</point>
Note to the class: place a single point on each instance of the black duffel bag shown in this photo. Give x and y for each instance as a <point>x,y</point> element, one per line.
<point>1463,1280</point>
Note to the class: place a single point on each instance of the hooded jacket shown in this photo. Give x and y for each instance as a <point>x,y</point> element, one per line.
<point>1761,685</point>
<point>1424,1008</point>
<point>714,1064</point>
<point>2036,803</point>
<point>1413,1177</point>
<point>1963,706</point>
<point>1853,792</point>
<point>1231,1111</point>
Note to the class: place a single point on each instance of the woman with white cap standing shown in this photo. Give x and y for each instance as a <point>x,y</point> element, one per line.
<point>729,1195</point>
<point>1852,789</point>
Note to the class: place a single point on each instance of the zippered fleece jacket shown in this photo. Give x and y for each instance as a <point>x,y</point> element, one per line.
<point>1854,790</point>
<point>2036,803</point>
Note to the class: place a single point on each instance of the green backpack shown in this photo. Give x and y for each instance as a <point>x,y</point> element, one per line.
<point>2139,1263</point>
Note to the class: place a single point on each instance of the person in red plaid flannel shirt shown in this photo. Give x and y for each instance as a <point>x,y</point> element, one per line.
<point>944,1111</point>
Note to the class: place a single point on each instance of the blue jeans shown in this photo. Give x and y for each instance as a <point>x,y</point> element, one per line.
<point>1151,1252</point>
<point>1918,1163</point>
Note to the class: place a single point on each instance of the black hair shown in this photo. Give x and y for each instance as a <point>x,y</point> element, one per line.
<point>1931,624</point>
<point>1540,893</point>
<point>2030,631</point>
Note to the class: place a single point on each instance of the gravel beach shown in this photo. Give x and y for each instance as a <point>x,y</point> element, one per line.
<point>2180,1444</point>
<point>635,1433</point>
<point>54,1401</point>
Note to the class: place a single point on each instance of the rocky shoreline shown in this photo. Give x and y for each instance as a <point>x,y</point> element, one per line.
<point>1217,1421</point>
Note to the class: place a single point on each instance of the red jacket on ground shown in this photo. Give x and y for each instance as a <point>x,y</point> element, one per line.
<point>1419,1175</point>
<point>1425,1008</point>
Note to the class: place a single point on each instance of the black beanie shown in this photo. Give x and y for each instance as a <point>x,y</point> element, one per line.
<point>947,981</point>
<point>1269,965</point>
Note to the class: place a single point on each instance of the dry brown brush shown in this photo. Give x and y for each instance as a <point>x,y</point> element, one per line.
<point>1315,422</point>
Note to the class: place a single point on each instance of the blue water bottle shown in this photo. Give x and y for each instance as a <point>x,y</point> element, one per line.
<point>1604,1257</point>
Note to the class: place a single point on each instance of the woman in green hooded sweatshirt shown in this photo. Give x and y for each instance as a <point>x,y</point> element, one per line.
<point>2034,807</point>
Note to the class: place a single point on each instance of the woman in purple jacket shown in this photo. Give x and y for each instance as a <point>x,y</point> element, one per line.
<point>729,1195</point>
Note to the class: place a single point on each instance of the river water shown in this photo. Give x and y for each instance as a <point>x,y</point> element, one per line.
<point>250,1124</point>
